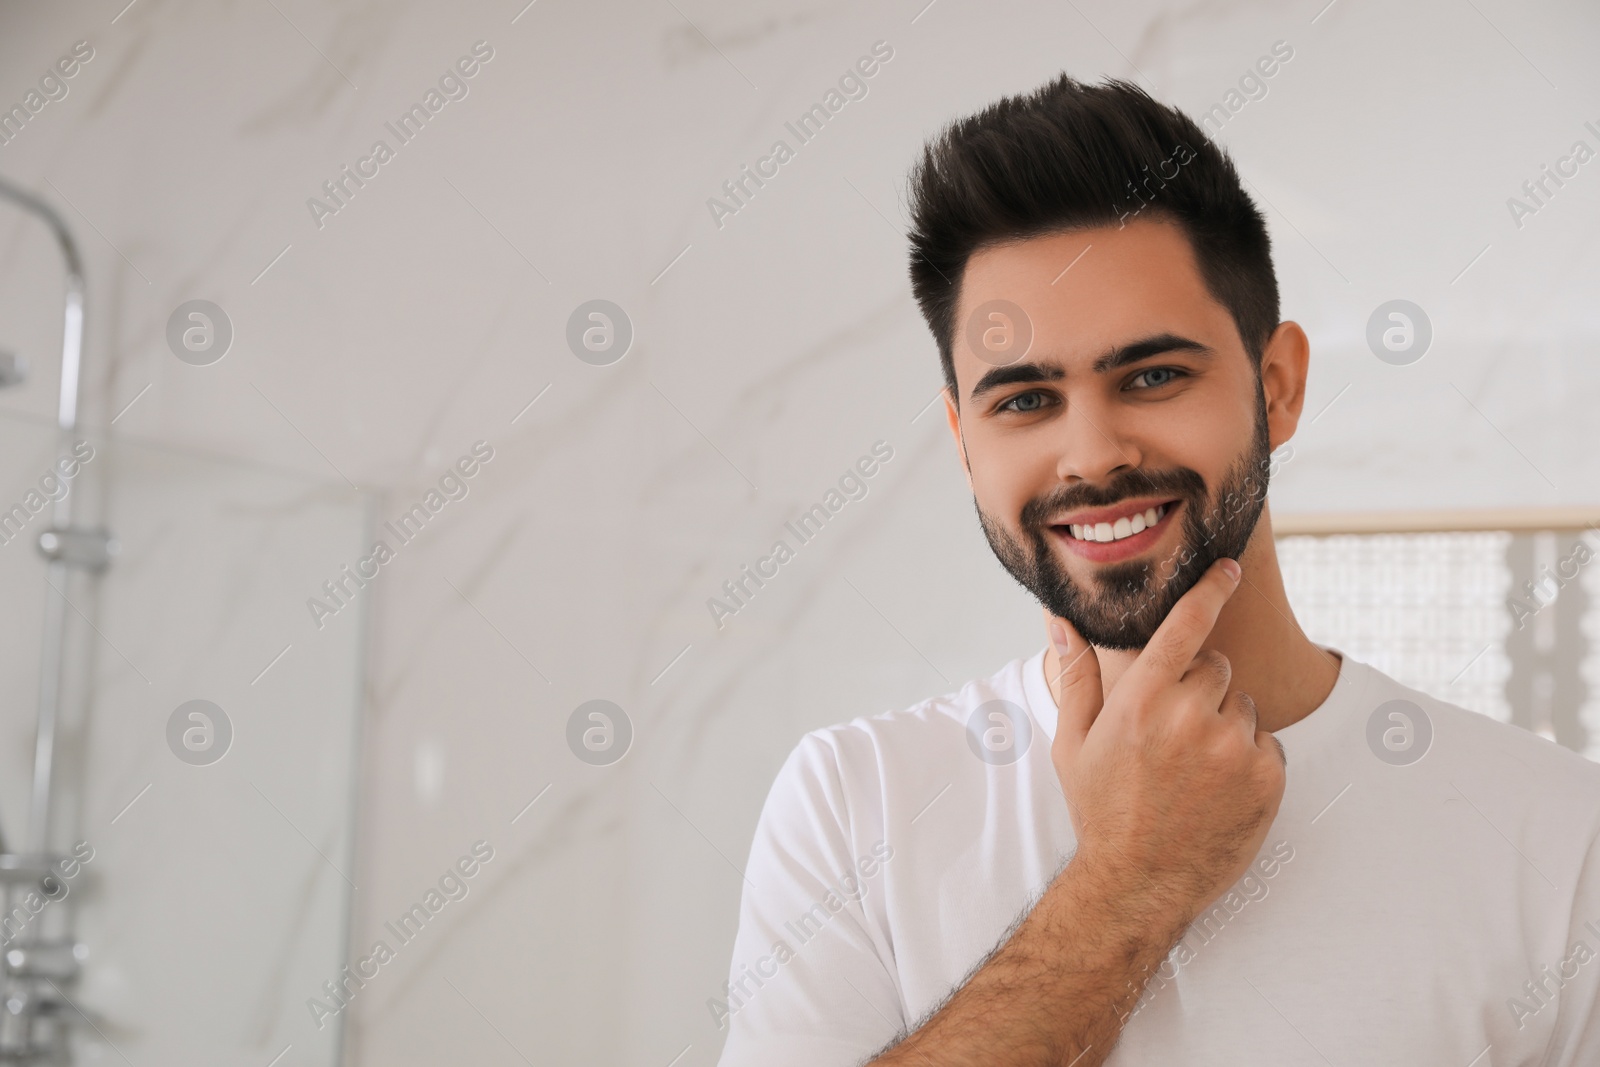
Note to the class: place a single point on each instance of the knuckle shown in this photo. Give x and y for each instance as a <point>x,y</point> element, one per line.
<point>1191,616</point>
<point>1269,774</point>
<point>1220,752</point>
<point>1166,652</point>
<point>1225,740</point>
<point>1076,681</point>
<point>1197,727</point>
<point>1211,672</point>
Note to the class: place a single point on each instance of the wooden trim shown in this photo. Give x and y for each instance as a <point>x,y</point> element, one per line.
<point>1322,524</point>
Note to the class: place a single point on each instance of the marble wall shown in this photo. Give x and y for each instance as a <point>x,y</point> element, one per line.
<point>375,345</point>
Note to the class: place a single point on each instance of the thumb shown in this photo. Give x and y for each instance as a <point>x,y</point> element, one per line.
<point>1077,682</point>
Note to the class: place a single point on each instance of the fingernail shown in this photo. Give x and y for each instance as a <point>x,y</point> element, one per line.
<point>1232,568</point>
<point>1058,637</point>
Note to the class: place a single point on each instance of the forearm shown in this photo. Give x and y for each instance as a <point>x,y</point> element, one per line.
<point>1058,991</point>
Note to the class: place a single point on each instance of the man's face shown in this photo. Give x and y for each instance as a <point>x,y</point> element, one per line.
<point>1134,400</point>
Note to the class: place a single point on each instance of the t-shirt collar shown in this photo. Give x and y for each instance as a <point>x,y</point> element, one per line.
<point>1346,690</point>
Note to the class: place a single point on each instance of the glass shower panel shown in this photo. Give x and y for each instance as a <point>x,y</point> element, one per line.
<point>208,747</point>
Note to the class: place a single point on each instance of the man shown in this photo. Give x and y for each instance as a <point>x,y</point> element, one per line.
<point>1230,845</point>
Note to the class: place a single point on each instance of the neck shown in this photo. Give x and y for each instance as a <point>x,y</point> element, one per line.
<point>1272,659</point>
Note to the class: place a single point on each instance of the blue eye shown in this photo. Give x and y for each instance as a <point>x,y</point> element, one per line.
<point>1173,371</point>
<point>1024,410</point>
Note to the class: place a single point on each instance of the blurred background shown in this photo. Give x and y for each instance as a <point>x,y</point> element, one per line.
<point>557,351</point>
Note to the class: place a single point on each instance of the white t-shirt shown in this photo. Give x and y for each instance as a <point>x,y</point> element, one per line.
<point>1419,899</point>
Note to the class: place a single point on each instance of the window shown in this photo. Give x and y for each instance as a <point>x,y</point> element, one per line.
<point>1505,622</point>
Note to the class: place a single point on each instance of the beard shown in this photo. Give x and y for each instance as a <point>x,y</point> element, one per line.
<point>1121,605</point>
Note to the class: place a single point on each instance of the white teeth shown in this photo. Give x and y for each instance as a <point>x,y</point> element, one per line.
<point>1123,527</point>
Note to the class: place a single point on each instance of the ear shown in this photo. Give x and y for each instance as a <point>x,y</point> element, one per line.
<point>953,417</point>
<point>1285,362</point>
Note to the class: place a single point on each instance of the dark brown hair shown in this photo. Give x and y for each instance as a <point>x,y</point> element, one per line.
<point>1070,156</point>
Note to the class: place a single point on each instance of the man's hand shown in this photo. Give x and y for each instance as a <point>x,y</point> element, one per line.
<point>1171,788</point>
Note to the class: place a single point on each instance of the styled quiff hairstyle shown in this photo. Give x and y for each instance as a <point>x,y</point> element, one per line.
<point>1071,156</point>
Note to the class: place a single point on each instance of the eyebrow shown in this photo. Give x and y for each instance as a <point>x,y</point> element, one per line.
<point>1121,356</point>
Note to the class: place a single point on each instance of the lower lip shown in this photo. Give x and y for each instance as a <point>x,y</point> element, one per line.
<point>1127,548</point>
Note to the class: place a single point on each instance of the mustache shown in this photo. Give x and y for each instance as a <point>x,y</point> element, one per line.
<point>1181,482</point>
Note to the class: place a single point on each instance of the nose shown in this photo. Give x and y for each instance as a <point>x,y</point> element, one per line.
<point>1092,450</point>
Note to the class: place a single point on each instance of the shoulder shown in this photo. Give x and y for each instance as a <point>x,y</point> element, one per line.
<point>919,732</point>
<point>856,760</point>
<point>1515,766</point>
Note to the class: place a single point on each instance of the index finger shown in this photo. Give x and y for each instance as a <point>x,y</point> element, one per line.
<point>1180,635</point>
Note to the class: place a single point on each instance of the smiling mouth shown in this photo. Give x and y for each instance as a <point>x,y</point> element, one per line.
<point>1123,528</point>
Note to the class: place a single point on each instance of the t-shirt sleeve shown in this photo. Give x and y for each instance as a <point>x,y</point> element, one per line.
<point>812,982</point>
